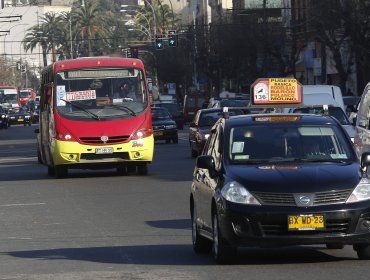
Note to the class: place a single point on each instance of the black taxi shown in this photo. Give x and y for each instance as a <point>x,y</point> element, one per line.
<point>279,180</point>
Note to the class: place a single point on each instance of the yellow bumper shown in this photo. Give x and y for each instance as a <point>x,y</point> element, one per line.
<point>65,152</point>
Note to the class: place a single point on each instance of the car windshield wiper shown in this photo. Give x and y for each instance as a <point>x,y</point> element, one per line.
<point>323,160</point>
<point>122,108</point>
<point>250,161</point>
<point>82,108</point>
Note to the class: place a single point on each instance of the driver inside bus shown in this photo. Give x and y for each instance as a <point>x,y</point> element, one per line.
<point>126,92</point>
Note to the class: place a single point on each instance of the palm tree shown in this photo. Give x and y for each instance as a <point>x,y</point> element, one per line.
<point>91,24</point>
<point>48,34</point>
<point>33,37</point>
<point>164,19</point>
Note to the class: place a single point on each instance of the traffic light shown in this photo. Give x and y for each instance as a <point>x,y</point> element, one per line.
<point>159,43</point>
<point>172,38</point>
<point>134,52</point>
<point>128,53</point>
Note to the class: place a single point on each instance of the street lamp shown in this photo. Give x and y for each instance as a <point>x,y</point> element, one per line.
<point>144,32</point>
<point>140,14</point>
<point>154,17</point>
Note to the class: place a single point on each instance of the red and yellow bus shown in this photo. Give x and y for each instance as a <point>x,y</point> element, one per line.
<point>84,125</point>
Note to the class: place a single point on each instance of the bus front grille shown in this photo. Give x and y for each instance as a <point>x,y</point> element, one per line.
<point>118,155</point>
<point>111,140</point>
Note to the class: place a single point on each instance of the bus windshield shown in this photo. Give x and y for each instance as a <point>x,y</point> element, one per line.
<point>101,93</point>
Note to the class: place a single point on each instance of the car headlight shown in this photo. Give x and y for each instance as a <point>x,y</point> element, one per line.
<point>235,192</point>
<point>170,126</point>
<point>361,192</point>
<point>3,116</point>
<point>27,117</point>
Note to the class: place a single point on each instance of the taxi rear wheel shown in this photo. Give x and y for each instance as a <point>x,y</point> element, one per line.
<point>222,252</point>
<point>363,251</point>
<point>201,245</point>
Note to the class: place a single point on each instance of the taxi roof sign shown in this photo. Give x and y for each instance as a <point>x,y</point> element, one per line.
<point>276,92</point>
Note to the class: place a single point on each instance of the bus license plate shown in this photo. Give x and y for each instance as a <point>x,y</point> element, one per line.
<point>306,222</point>
<point>104,151</point>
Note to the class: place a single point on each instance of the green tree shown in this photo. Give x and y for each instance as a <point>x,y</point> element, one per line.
<point>92,26</point>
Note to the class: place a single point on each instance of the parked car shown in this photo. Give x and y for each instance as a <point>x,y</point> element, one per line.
<point>319,95</point>
<point>19,116</point>
<point>336,112</point>
<point>4,118</point>
<point>201,125</point>
<point>229,103</point>
<point>192,103</point>
<point>350,104</point>
<point>164,127</point>
<point>33,107</point>
<point>362,122</point>
<point>175,111</point>
<point>279,180</point>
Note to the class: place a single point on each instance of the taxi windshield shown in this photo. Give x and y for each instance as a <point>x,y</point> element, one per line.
<point>101,93</point>
<point>268,143</point>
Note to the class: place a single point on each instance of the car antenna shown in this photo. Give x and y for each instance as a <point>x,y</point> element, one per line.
<point>225,111</point>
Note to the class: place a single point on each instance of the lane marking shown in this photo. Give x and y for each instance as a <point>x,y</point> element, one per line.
<point>23,204</point>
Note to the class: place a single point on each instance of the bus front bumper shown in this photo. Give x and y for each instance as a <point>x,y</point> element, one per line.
<point>74,153</point>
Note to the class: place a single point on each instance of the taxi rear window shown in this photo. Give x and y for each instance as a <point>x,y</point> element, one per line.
<point>288,143</point>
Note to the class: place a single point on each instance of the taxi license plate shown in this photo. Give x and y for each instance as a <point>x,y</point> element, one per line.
<point>306,222</point>
<point>20,120</point>
<point>104,151</point>
<point>158,133</point>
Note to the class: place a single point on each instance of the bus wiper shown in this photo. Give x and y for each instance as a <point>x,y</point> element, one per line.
<point>82,108</point>
<point>122,108</point>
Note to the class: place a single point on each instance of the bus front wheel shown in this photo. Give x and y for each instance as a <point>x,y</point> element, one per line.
<point>142,169</point>
<point>60,171</point>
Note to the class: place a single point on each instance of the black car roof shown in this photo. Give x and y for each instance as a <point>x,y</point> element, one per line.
<point>254,119</point>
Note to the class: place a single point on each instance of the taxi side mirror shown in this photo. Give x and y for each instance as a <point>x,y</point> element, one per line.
<point>207,162</point>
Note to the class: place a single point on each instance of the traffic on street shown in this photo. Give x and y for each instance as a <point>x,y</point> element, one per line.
<point>173,140</point>
<point>100,225</point>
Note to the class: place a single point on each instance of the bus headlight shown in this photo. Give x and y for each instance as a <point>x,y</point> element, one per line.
<point>65,137</point>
